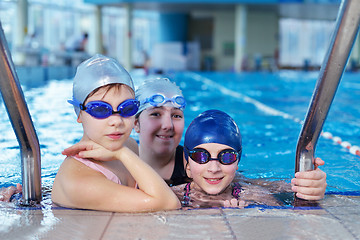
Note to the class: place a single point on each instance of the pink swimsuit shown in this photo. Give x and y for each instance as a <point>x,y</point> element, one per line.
<point>107,173</point>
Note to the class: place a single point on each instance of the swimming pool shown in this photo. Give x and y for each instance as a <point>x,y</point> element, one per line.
<point>266,106</point>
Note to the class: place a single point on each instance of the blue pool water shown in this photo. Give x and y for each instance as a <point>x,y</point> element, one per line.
<point>266,106</point>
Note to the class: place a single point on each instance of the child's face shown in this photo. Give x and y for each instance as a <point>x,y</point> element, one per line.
<point>160,128</point>
<point>211,177</point>
<point>113,131</point>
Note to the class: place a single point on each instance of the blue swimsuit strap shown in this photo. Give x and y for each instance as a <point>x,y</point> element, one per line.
<point>186,198</point>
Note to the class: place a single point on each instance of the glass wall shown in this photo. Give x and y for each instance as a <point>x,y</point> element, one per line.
<point>304,42</point>
<point>145,35</point>
<point>54,24</point>
<point>113,24</point>
<point>7,16</point>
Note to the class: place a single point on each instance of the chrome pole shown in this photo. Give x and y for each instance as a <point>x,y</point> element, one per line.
<point>22,124</point>
<point>332,69</point>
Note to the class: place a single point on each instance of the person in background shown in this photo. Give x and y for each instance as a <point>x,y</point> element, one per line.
<point>77,43</point>
<point>100,172</point>
<point>212,149</point>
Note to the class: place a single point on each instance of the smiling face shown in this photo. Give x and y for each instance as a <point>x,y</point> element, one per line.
<point>211,177</point>
<point>113,131</point>
<point>160,129</point>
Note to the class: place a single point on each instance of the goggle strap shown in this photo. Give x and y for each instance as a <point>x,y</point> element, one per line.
<point>75,103</point>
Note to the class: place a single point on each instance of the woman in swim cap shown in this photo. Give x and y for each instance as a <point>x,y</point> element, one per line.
<point>160,124</point>
<point>99,172</point>
<point>213,148</point>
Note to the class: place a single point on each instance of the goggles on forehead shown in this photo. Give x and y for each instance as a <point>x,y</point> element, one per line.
<point>158,100</point>
<point>202,156</point>
<point>101,110</point>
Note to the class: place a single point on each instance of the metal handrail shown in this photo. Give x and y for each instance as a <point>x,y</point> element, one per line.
<point>22,124</point>
<point>344,35</point>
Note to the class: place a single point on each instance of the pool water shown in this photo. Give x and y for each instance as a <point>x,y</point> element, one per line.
<point>267,107</point>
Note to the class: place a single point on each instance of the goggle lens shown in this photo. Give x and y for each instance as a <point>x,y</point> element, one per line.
<point>199,157</point>
<point>98,110</point>
<point>228,157</point>
<point>180,100</point>
<point>129,109</point>
<point>157,99</point>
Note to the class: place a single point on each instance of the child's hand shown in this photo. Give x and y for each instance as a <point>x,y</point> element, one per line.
<point>234,203</point>
<point>90,149</point>
<point>310,185</point>
<point>6,193</point>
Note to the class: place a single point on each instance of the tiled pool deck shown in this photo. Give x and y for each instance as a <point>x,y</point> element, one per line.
<point>338,217</point>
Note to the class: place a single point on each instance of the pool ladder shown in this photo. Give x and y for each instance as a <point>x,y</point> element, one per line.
<point>346,29</point>
<point>22,124</point>
<point>332,69</point>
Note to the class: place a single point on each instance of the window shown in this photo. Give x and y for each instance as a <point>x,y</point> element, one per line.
<point>304,41</point>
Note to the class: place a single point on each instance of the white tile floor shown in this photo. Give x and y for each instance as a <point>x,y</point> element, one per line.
<point>338,218</point>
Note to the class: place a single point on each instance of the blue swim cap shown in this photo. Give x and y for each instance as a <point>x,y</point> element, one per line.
<point>213,126</point>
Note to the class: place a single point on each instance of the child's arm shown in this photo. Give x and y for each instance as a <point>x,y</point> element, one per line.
<point>92,190</point>
<point>310,185</point>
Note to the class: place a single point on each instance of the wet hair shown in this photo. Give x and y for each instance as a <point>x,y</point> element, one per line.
<point>107,88</point>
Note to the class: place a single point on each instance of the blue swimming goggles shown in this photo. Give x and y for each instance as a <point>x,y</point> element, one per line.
<point>101,110</point>
<point>202,156</point>
<point>158,100</point>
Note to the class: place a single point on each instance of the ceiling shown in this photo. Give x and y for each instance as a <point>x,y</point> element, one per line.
<point>286,10</point>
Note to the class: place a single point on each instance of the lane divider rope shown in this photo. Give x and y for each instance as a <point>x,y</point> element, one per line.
<point>353,149</point>
<point>345,144</point>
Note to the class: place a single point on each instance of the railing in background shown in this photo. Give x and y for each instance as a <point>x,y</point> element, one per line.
<point>346,30</point>
<point>22,124</point>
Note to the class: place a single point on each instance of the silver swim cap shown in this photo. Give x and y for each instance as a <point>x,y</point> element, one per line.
<point>96,72</point>
<point>159,92</point>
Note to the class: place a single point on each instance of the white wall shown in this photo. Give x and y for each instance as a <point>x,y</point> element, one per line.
<point>224,33</point>
<point>262,31</point>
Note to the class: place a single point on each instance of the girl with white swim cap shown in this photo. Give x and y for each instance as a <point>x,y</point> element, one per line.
<point>160,124</point>
<point>99,172</point>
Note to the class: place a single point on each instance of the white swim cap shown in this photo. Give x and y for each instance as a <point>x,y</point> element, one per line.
<point>159,92</point>
<point>96,72</point>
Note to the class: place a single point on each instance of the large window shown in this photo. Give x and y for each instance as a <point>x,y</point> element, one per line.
<point>145,35</point>
<point>304,41</point>
<point>55,22</point>
<point>7,16</point>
